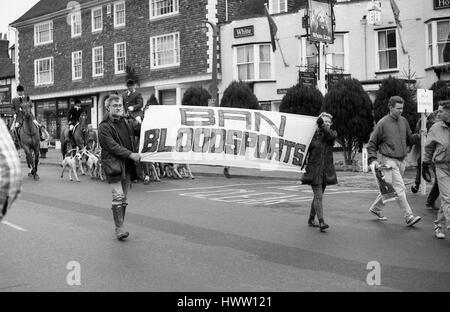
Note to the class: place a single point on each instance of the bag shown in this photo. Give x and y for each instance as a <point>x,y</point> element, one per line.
<point>112,167</point>
<point>307,177</point>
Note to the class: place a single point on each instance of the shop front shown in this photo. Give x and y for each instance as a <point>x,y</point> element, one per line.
<point>6,111</point>
<point>53,113</point>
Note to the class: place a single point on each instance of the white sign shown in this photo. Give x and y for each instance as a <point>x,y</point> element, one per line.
<point>424,101</point>
<point>226,137</point>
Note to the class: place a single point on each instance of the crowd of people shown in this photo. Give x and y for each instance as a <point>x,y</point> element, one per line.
<point>389,144</point>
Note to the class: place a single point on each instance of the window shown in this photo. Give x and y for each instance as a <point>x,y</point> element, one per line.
<point>97,19</point>
<point>77,65</point>
<point>76,24</point>
<point>253,62</point>
<point>97,61</point>
<point>43,33</point>
<point>120,57</point>
<point>165,51</point>
<point>43,71</point>
<point>163,7</point>
<point>430,44</point>
<point>119,14</point>
<point>277,6</point>
<point>387,49</point>
<point>443,32</point>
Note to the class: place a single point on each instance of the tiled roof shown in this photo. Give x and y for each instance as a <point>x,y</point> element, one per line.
<point>6,68</point>
<point>44,7</point>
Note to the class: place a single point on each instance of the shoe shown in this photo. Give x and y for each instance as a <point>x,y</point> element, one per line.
<point>414,189</point>
<point>379,215</point>
<point>312,222</point>
<point>322,225</point>
<point>439,232</point>
<point>412,220</point>
<point>147,180</point>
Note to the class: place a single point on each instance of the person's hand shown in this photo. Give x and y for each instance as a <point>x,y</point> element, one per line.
<point>17,124</point>
<point>319,122</point>
<point>138,119</point>
<point>135,157</point>
<point>426,175</point>
<point>374,165</point>
<point>131,108</point>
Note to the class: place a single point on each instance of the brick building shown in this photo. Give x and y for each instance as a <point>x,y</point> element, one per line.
<point>7,81</point>
<point>90,49</point>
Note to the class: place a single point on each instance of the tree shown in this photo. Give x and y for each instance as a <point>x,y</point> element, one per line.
<point>441,92</point>
<point>152,100</point>
<point>196,96</point>
<point>352,115</point>
<point>392,86</point>
<point>302,100</point>
<point>131,74</point>
<point>238,94</point>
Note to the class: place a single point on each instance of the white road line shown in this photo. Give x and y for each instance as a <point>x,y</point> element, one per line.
<point>212,187</point>
<point>14,226</point>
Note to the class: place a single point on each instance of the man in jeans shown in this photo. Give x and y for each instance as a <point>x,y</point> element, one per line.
<point>391,138</point>
<point>437,150</point>
<point>118,156</point>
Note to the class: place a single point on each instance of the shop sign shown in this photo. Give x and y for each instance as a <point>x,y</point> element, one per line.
<point>441,4</point>
<point>246,31</point>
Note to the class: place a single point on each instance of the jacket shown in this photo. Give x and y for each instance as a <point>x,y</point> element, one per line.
<point>437,145</point>
<point>319,162</point>
<point>17,107</point>
<point>134,99</point>
<point>391,138</point>
<point>74,115</point>
<point>113,151</point>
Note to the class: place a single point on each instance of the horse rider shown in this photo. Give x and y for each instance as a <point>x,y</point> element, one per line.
<point>73,118</point>
<point>133,101</point>
<point>18,111</point>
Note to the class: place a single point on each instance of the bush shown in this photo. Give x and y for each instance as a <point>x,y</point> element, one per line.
<point>302,100</point>
<point>352,115</point>
<point>389,87</point>
<point>238,94</point>
<point>196,96</point>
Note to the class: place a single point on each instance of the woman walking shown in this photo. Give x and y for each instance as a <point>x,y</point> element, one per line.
<point>320,168</point>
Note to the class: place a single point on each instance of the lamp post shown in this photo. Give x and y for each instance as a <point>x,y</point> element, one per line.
<point>213,88</point>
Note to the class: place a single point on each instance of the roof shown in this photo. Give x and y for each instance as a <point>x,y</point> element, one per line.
<point>45,7</point>
<point>7,69</point>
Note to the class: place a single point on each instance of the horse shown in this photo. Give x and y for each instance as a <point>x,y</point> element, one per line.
<point>80,136</point>
<point>30,140</point>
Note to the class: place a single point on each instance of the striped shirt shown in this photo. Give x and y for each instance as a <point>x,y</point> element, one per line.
<point>10,174</point>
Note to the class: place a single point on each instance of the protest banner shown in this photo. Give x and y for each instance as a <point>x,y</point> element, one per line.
<point>226,137</point>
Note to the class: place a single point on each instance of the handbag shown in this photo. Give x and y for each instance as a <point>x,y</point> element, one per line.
<point>307,177</point>
<point>112,167</point>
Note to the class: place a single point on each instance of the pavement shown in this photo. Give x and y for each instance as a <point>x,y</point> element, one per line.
<point>345,178</point>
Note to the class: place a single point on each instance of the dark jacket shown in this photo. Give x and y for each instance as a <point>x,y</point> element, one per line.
<point>134,99</point>
<point>74,115</point>
<point>17,107</point>
<point>319,161</point>
<point>113,150</point>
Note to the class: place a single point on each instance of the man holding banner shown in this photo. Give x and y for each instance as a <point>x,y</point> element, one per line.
<point>391,138</point>
<point>118,156</point>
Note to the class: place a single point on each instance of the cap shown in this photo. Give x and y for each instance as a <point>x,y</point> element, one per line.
<point>20,88</point>
<point>130,82</point>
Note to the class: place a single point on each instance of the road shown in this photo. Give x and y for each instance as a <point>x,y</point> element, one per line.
<point>214,234</point>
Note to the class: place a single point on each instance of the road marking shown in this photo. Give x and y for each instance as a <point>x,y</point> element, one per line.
<point>219,186</point>
<point>14,226</point>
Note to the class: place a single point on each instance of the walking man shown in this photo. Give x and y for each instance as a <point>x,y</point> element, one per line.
<point>391,138</point>
<point>437,150</point>
<point>118,156</point>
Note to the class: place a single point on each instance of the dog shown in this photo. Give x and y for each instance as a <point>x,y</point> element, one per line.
<point>71,161</point>
<point>183,170</point>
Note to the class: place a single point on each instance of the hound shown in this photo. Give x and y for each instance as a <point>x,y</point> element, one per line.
<point>183,170</point>
<point>71,162</point>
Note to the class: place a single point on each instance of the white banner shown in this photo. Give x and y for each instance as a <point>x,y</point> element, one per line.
<point>226,136</point>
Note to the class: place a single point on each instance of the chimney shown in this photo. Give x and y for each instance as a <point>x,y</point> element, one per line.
<point>4,47</point>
